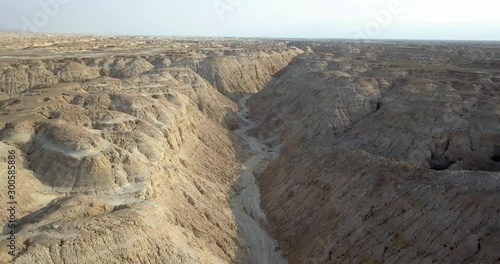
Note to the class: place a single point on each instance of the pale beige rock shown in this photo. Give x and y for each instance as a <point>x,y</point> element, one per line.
<point>123,159</point>
<point>241,73</point>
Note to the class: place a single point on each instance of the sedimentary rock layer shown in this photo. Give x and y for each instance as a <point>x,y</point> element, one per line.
<point>386,158</point>
<point>124,154</point>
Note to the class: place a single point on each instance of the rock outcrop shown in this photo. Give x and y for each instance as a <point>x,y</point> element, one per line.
<point>240,73</point>
<point>383,161</point>
<point>235,71</point>
<point>121,158</point>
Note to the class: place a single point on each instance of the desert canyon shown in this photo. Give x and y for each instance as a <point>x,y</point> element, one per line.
<point>225,150</point>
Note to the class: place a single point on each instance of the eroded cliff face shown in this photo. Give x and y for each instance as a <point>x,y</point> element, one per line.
<point>122,169</point>
<point>237,73</point>
<point>235,67</point>
<point>384,159</point>
<point>123,158</point>
<point>234,76</point>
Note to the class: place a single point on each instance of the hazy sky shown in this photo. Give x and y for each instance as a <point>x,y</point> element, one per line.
<point>403,19</point>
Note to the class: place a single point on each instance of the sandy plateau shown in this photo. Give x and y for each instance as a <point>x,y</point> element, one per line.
<point>199,150</point>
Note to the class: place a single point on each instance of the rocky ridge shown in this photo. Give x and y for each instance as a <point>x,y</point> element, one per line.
<point>384,160</point>
<point>124,158</point>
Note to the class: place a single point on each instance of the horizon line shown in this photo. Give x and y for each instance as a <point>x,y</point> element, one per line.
<point>243,37</point>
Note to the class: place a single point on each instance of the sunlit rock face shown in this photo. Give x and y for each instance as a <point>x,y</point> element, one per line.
<point>125,153</point>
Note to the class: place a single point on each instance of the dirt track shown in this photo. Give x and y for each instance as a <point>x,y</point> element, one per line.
<point>260,246</point>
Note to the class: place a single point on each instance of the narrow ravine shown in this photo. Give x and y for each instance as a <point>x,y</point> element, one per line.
<point>257,243</point>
